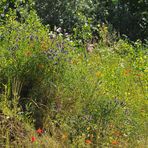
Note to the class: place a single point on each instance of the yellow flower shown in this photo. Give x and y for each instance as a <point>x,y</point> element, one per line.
<point>64,137</point>
<point>98,74</point>
<point>146,70</point>
<point>88,128</point>
<point>44,46</point>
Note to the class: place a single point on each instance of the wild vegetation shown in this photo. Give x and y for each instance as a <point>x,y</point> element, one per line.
<point>74,82</point>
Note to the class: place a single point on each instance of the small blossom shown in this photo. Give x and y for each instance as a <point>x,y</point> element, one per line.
<point>2,15</point>
<point>39,131</point>
<point>98,74</point>
<point>66,34</point>
<point>89,48</point>
<point>59,30</point>
<point>122,65</point>
<point>88,141</point>
<point>52,35</point>
<point>114,142</point>
<point>127,72</point>
<point>64,137</point>
<point>139,75</point>
<point>33,139</point>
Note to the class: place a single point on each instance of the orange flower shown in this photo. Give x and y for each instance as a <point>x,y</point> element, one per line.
<point>127,72</point>
<point>139,75</point>
<point>115,142</point>
<point>88,141</point>
<point>64,137</point>
<point>39,131</point>
<point>33,139</point>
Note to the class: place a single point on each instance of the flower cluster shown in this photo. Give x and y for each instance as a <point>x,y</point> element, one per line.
<point>39,131</point>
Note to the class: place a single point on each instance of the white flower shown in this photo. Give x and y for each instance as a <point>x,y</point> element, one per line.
<point>59,30</point>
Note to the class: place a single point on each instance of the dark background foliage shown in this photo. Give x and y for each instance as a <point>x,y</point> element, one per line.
<point>128,17</point>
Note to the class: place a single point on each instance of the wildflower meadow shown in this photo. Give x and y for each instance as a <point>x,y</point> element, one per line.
<point>82,84</point>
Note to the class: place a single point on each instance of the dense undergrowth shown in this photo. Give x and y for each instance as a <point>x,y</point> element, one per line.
<point>56,92</point>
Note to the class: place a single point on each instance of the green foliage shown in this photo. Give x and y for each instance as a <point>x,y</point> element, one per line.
<point>50,81</point>
<point>21,9</point>
<point>57,13</point>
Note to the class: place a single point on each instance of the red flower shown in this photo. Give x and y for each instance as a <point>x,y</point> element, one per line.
<point>33,139</point>
<point>88,141</point>
<point>39,131</point>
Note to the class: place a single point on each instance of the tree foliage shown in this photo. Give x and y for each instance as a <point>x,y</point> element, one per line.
<point>129,17</point>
